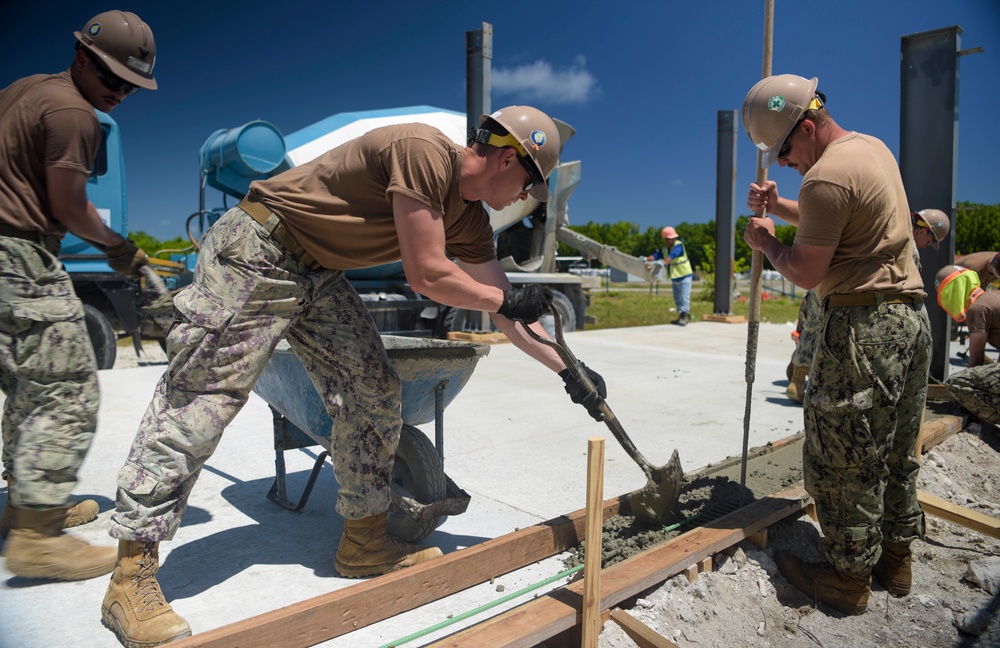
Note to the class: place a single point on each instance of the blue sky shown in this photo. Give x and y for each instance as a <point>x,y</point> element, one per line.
<point>642,82</point>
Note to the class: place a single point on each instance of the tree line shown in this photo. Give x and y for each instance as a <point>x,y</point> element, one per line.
<point>976,228</point>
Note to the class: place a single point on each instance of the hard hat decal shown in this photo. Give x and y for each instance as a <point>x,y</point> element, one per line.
<point>94,29</point>
<point>776,103</point>
<point>537,138</point>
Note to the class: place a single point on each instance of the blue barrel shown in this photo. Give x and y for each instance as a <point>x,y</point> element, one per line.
<point>248,151</point>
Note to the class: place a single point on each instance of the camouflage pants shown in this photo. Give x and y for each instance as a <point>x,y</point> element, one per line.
<point>862,422</point>
<point>47,372</point>
<point>247,294</point>
<point>811,315</point>
<point>978,390</point>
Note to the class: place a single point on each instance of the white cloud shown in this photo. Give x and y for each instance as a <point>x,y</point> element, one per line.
<point>541,81</point>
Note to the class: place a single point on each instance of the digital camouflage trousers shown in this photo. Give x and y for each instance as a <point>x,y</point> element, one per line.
<point>249,293</point>
<point>862,421</point>
<point>48,374</point>
<point>978,390</point>
<point>811,315</point>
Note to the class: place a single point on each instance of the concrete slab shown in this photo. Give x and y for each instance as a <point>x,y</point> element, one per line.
<point>513,440</point>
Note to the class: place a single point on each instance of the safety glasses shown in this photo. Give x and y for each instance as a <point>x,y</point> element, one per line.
<point>786,148</point>
<point>110,81</point>
<point>530,171</point>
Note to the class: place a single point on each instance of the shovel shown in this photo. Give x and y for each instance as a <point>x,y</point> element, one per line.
<point>657,501</point>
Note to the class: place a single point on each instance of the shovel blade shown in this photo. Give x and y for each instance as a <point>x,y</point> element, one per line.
<point>658,501</point>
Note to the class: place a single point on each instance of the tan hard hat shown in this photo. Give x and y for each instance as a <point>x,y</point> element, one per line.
<point>937,222</point>
<point>669,232</point>
<point>123,43</point>
<point>536,138</point>
<point>772,108</point>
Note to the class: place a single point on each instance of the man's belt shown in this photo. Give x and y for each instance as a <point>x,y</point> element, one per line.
<point>51,242</point>
<point>869,299</point>
<point>260,213</point>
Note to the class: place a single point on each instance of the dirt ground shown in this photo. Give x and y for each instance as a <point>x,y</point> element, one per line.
<point>746,602</point>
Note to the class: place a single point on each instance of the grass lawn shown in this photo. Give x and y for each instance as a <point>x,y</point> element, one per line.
<point>634,305</point>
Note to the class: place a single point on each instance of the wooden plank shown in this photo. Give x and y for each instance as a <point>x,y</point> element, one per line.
<point>759,539</point>
<point>592,550</point>
<point>938,392</point>
<point>726,319</point>
<point>324,617</point>
<point>639,632</point>
<point>940,428</point>
<point>959,514</point>
<point>533,622</point>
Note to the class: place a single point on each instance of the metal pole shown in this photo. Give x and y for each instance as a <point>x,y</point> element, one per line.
<point>725,211</point>
<point>478,64</point>
<point>756,266</point>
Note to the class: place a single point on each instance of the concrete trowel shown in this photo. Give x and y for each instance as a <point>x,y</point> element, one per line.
<point>658,500</point>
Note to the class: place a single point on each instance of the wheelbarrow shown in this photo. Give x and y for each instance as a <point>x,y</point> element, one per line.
<point>432,373</point>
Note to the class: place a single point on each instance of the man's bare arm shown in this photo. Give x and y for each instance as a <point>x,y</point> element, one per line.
<point>66,190</point>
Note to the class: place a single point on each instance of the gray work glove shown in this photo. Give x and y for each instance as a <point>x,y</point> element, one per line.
<point>526,304</point>
<point>590,400</point>
<point>126,258</point>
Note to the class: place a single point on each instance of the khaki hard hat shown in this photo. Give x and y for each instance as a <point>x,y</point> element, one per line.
<point>124,44</point>
<point>535,137</point>
<point>772,108</point>
<point>937,222</point>
<point>669,232</point>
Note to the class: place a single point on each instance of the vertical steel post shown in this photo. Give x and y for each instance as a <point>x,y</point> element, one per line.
<point>928,154</point>
<point>725,211</point>
<point>478,63</point>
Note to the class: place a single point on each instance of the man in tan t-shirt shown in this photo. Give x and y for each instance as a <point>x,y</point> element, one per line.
<point>868,380</point>
<point>273,268</point>
<point>985,264</point>
<point>49,136</point>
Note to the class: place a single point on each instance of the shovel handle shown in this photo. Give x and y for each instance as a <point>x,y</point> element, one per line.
<point>575,370</point>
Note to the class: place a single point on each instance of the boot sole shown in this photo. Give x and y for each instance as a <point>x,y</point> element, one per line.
<point>49,573</point>
<point>364,572</point>
<point>111,623</point>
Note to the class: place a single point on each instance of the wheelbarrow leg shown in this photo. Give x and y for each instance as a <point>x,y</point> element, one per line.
<point>278,492</point>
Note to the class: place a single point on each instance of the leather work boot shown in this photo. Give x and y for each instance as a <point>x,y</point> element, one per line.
<point>79,513</point>
<point>134,608</point>
<point>367,550</point>
<point>893,571</point>
<point>797,384</point>
<point>36,547</point>
<point>842,591</point>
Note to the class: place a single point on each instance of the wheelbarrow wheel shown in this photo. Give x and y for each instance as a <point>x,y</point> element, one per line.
<point>418,474</point>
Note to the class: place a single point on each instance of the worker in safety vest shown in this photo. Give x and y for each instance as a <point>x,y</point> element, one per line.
<point>977,388</point>
<point>984,264</point>
<point>674,256</point>
<point>49,140</point>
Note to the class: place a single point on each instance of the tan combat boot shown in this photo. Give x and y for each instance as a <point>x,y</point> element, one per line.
<point>36,547</point>
<point>79,513</point>
<point>367,550</point>
<point>134,608</point>
<point>797,384</point>
<point>842,591</point>
<point>893,571</point>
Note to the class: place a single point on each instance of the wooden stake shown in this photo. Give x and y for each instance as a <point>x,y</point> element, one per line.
<point>594,537</point>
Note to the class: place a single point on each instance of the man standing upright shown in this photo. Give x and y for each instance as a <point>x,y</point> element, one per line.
<point>49,137</point>
<point>674,256</point>
<point>868,383</point>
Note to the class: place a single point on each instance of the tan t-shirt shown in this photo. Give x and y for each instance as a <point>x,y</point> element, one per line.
<point>339,206</point>
<point>44,122</point>
<point>980,263</point>
<point>853,199</point>
<point>984,315</point>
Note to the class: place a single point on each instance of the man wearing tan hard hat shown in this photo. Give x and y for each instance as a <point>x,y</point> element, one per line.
<point>868,379</point>
<point>49,139</point>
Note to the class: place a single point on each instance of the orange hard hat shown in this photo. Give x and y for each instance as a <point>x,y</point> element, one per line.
<point>669,233</point>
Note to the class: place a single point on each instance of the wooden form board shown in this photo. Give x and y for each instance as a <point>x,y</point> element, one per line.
<point>559,610</point>
<point>959,514</point>
<point>325,617</point>
<point>938,429</point>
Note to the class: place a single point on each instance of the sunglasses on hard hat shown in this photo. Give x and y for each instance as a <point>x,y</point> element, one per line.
<point>110,81</point>
<point>786,148</point>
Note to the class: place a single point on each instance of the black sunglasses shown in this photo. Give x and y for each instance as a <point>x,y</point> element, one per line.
<point>110,81</point>
<point>531,173</point>
<point>786,148</point>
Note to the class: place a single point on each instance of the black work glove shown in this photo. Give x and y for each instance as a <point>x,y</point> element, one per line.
<point>126,258</point>
<point>590,400</point>
<point>526,304</point>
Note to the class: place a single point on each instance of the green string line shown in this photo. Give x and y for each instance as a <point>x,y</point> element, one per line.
<point>481,608</point>
<point>508,597</point>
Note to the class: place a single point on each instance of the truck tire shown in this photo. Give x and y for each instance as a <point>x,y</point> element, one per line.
<point>567,314</point>
<point>418,473</point>
<point>102,337</point>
